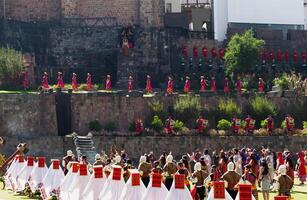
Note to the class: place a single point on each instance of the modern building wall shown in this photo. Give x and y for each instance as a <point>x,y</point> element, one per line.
<point>220,9</point>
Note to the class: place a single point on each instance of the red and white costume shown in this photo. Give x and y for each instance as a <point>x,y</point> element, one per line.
<point>108,83</point>
<point>134,188</point>
<point>38,174</point>
<point>156,189</point>
<point>179,191</point>
<point>218,191</point>
<point>89,84</point>
<point>187,85</point>
<point>60,81</point>
<point>148,85</point>
<point>25,173</point>
<point>20,164</point>
<point>203,84</point>
<point>290,123</point>
<point>260,85</point>
<point>80,183</point>
<point>66,185</point>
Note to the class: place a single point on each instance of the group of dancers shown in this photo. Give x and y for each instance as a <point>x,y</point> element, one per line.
<point>225,175</point>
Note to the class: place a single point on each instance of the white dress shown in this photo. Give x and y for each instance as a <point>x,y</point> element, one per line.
<point>178,194</point>
<point>133,192</point>
<point>154,193</point>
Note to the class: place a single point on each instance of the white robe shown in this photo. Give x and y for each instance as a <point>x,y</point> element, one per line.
<point>133,192</point>
<point>237,197</point>
<point>94,187</point>
<point>178,194</point>
<point>37,176</point>
<point>52,180</point>
<point>24,177</point>
<point>211,195</point>
<point>112,188</point>
<point>78,186</point>
<point>14,174</point>
<point>154,193</point>
<point>6,176</point>
<point>66,185</point>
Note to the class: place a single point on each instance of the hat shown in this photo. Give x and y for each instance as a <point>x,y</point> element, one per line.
<point>169,159</point>
<point>97,157</point>
<point>69,153</point>
<point>197,166</point>
<point>282,170</point>
<point>55,164</point>
<point>142,159</point>
<point>117,159</point>
<point>230,166</point>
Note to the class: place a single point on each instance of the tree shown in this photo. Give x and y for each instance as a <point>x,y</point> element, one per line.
<point>11,66</point>
<point>242,53</point>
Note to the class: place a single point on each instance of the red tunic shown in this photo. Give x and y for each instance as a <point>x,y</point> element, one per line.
<point>60,81</point>
<point>269,124</point>
<point>226,86</point>
<point>148,86</point>
<point>213,85</point>
<point>130,85</point>
<point>213,53</point>
<point>45,82</point>
<point>260,86</point>
<point>205,52</point>
<point>301,165</point>
<point>74,83</point>
<point>221,53</point>
<point>250,124</point>
<point>289,123</point>
<point>203,85</point>
<point>139,126</point>
<point>200,125</point>
<point>169,87</point>
<point>108,84</point>
<point>239,86</point>
<point>187,86</point>
<point>25,82</point>
<point>265,55</point>
<point>272,56</point>
<point>89,84</point>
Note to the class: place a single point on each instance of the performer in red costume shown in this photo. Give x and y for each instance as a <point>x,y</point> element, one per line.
<point>221,53</point>
<point>170,88</point>
<point>295,56</point>
<point>272,56</point>
<point>201,124</point>
<point>213,53</point>
<point>205,52</point>
<point>250,124</point>
<point>289,123</point>
<point>169,125</point>
<point>279,55</point>
<point>236,124</point>
<point>213,84</point>
<point>226,86</point>
<point>239,85</point>
<point>286,56</point>
<point>148,85</point>
<point>203,84</point>
<point>187,85</point>
<point>260,85</point>
<point>139,126</point>
<point>45,84</point>
<point>301,171</point>
<point>304,56</point>
<point>270,124</point>
<point>89,84</point>
<point>25,82</point>
<point>60,80</point>
<point>108,83</point>
<point>74,82</point>
<point>265,55</point>
<point>130,84</point>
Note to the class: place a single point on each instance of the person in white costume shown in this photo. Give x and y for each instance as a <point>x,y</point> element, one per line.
<point>211,193</point>
<point>178,190</point>
<point>114,185</point>
<point>52,180</point>
<point>95,184</point>
<point>66,185</point>
<point>134,188</point>
<point>25,173</point>
<point>156,189</point>
<point>16,171</point>
<point>37,175</point>
<point>6,176</point>
<point>80,182</point>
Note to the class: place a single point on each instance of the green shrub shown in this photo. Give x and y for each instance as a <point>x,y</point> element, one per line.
<point>228,109</point>
<point>187,109</point>
<point>157,124</point>
<point>11,66</point>
<point>305,124</point>
<point>132,127</point>
<point>95,126</point>
<point>83,87</point>
<point>260,108</point>
<point>264,123</point>
<point>284,81</point>
<point>243,124</point>
<point>283,124</point>
<point>110,126</point>
<point>157,109</point>
<point>178,125</point>
<point>224,124</point>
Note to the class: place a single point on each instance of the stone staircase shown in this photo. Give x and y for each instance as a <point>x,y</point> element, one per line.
<point>85,147</point>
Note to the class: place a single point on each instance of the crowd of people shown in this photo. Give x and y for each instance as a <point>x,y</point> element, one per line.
<point>204,84</point>
<point>200,175</point>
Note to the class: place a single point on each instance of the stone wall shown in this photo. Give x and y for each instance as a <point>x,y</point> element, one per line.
<point>56,147</point>
<point>27,115</point>
<point>33,10</point>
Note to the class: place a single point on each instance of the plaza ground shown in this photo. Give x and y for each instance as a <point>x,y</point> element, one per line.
<point>299,193</point>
